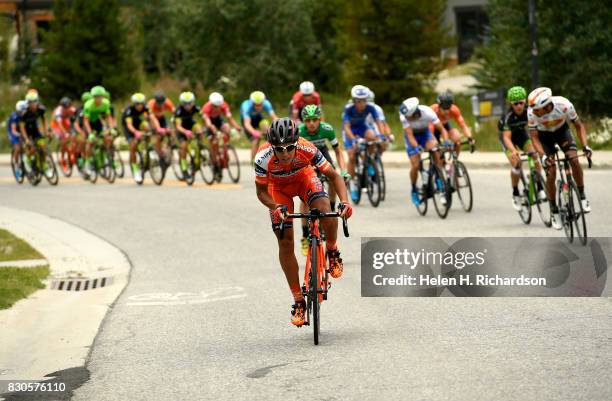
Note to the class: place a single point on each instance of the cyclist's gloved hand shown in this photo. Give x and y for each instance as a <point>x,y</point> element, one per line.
<point>278,214</point>
<point>138,134</point>
<point>189,134</point>
<point>345,175</point>
<point>471,141</point>
<point>588,151</point>
<point>448,143</point>
<point>345,209</point>
<point>391,138</point>
<point>547,161</point>
<point>420,149</point>
<point>161,130</point>
<point>114,132</point>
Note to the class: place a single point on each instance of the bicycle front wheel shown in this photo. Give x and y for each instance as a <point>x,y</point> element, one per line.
<point>463,185</point>
<point>373,184</point>
<point>525,210</point>
<point>383,181</point>
<point>17,167</point>
<point>155,168</point>
<point>313,289</point>
<point>578,214</point>
<point>440,193</point>
<point>50,172</point>
<point>64,161</point>
<point>422,187</point>
<point>233,164</point>
<point>118,164</point>
<point>565,211</point>
<point>543,205</point>
<point>207,170</point>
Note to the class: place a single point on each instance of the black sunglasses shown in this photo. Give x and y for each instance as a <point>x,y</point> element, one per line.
<point>282,149</point>
<point>518,103</point>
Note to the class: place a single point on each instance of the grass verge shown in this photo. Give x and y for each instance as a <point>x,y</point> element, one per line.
<point>13,248</point>
<point>19,282</point>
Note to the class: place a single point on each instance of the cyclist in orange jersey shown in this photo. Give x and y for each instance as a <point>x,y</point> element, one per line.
<point>284,168</point>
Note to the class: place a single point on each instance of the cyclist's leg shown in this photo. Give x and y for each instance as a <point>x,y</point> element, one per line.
<point>414,156</point>
<point>349,146</point>
<point>455,137</point>
<point>183,144</point>
<point>284,196</point>
<point>514,165</point>
<point>548,143</point>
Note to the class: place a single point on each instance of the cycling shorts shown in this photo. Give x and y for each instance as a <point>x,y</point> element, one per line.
<point>306,186</point>
<point>194,128</point>
<point>520,140</point>
<point>129,135</point>
<point>437,133</point>
<point>358,132</point>
<point>217,122</point>
<point>13,139</point>
<point>562,137</point>
<point>255,123</point>
<point>421,139</point>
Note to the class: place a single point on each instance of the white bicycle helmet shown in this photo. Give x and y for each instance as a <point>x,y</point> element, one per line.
<point>371,96</point>
<point>359,92</point>
<point>409,106</point>
<point>539,98</point>
<point>21,106</point>
<point>216,99</point>
<point>307,88</point>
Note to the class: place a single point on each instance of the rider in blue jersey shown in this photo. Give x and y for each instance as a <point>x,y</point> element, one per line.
<point>355,125</point>
<point>12,127</point>
<point>251,117</point>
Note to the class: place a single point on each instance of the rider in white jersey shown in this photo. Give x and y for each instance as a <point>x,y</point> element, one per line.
<point>415,120</point>
<point>548,118</point>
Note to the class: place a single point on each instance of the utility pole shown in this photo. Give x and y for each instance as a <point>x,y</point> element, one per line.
<point>535,69</point>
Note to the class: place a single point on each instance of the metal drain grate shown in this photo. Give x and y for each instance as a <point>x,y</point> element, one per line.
<point>80,284</point>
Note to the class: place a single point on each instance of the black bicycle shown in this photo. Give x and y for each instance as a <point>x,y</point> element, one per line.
<point>457,177</point>
<point>149,160</point>
<point>568,199</point>
<point>368,175</point>
<point>316,276</point>
<point>431,183</point>
<point>532,190</point>
<point>40,164</point>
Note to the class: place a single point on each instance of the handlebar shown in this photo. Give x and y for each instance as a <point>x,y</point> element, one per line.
<point>316,215</point>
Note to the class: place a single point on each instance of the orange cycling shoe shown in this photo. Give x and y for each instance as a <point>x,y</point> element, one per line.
<point>298,313</point>
<point>335,263</point>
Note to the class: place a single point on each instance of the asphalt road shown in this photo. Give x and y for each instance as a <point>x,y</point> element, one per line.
<point>206,312</point>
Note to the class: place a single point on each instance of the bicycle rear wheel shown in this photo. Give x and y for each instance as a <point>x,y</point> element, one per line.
<point>543,205</point>
<point>437,183</point>
<point>233,164</point>
<point>578,215</point>
<point>109,167</point>
<point>463,185</point>
<point>313,290</point>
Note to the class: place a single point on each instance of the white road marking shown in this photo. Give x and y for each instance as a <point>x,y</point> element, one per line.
<point>186,298</point>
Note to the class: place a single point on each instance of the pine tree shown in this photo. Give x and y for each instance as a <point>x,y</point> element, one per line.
<point>392,46</point>
<point>87,45</point>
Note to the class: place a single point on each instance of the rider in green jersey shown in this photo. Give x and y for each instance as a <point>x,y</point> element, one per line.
<point>319,133</point>
<point>96,119</point>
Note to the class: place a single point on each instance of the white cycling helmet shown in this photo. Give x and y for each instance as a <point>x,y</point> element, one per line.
<point>371,96</point>
<point>359,92</point>
<point>539,98</point>
<point>409,106</point>
<point>307,88</point>
<point>216,99</point>
<point>21,106</point>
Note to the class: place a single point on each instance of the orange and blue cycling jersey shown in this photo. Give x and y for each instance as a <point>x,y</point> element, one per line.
<point>269,170</point>
<point>159,109</point>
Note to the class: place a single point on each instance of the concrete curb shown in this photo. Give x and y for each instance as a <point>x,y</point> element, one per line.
<point>54,329</point>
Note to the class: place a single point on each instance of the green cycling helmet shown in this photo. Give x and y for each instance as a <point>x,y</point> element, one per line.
<point>106,94</point>
<point>98,91</point>
<point>85,96</point>
<point>516,93</point>
<point>311,112</point>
